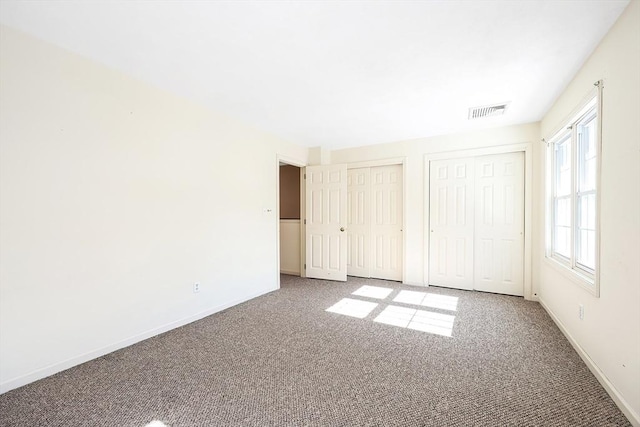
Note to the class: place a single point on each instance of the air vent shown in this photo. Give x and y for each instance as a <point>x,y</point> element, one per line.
<point>487,111</point>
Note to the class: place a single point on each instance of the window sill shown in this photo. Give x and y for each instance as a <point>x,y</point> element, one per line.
<point>585,282</point>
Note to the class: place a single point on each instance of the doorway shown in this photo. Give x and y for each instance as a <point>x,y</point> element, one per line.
<point>289,219</point>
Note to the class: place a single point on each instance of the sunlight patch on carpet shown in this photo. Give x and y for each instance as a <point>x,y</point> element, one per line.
<point>373,292</point>
<point>419,320</point>
<point>426,299</point>
<point>352,307</point>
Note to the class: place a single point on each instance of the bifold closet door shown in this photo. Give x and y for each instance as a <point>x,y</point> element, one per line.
<point>386,222</point>
<point>499,224</point>
<point>476,222</point>
<point>451,223</point>
<point>375,222</point>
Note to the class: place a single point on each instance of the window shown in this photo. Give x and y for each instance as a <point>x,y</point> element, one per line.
<point>572,194</point>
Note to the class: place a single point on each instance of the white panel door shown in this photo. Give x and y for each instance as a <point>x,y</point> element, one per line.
<point>358,222</point>
<point>386,222</point>
<point>326,211</point>
<point>499,223</point>
<point>451,223</point>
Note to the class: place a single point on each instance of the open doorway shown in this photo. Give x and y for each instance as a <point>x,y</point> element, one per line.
<point>290,219</point>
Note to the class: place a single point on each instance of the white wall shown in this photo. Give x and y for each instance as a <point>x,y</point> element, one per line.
<point>414,151</point>
<point>115,198</point>
<point>609,335</point>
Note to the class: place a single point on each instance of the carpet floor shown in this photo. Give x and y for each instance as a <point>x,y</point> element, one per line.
<point>383,355</point>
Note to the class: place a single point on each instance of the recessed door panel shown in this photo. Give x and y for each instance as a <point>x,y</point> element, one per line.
<point>442,201</point>
<point>317,250</point>
<point>334,254</point>
<point>460,207</point>
<point>336,205</point>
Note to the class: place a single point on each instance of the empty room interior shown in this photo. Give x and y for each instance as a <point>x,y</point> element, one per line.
<point>243,213</point>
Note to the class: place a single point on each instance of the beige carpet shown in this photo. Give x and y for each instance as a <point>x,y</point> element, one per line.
<point>411,357</point>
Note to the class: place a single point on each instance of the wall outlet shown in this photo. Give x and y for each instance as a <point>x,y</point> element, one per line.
<point>581,311</point>
<point>196,287</point>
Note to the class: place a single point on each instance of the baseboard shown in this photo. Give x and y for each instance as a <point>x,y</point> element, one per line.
<point>290,272</point>
<point>85,357</point>
<point>595,370</point>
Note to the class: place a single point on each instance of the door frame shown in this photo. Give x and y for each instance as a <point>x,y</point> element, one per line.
<point>527,149</point>
<point>402,161</point>
<point>299,164</point>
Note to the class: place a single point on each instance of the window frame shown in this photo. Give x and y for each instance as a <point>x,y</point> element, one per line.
<point>585,276</point>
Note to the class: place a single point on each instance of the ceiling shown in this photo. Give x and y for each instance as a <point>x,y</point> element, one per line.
<point>337,73</point>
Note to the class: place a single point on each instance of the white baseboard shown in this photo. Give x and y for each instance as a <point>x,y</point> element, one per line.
<point>85,357</point>
<point>290,272</point>
<point>600,376</point>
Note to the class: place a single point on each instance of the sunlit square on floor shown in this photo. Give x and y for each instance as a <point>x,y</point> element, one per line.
<point>352,307</point>
<point>444,302</point>
<point>410,297</point>
<point>396,316</point>
<point>435,323</point>
<point>419,320</point>
<point>427,299</point>
<point>373,292</point>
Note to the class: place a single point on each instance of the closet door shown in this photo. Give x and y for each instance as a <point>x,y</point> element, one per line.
<point>358,222</point>
<point>386,222</point>
<point>451,218</point>
<point>499,223</point>
<point>476,217</point>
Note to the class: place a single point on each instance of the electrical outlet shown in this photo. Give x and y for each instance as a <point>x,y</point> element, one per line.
<point>581,311</point>
<point>196,287</point>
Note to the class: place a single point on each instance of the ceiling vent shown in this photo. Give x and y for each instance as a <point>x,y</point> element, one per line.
<point>487,111</point>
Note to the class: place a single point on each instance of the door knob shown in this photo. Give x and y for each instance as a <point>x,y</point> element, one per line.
<point>341,228</point>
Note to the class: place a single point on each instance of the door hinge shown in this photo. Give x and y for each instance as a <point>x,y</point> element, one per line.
<point>305,266</point>
<point>305,176</point>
